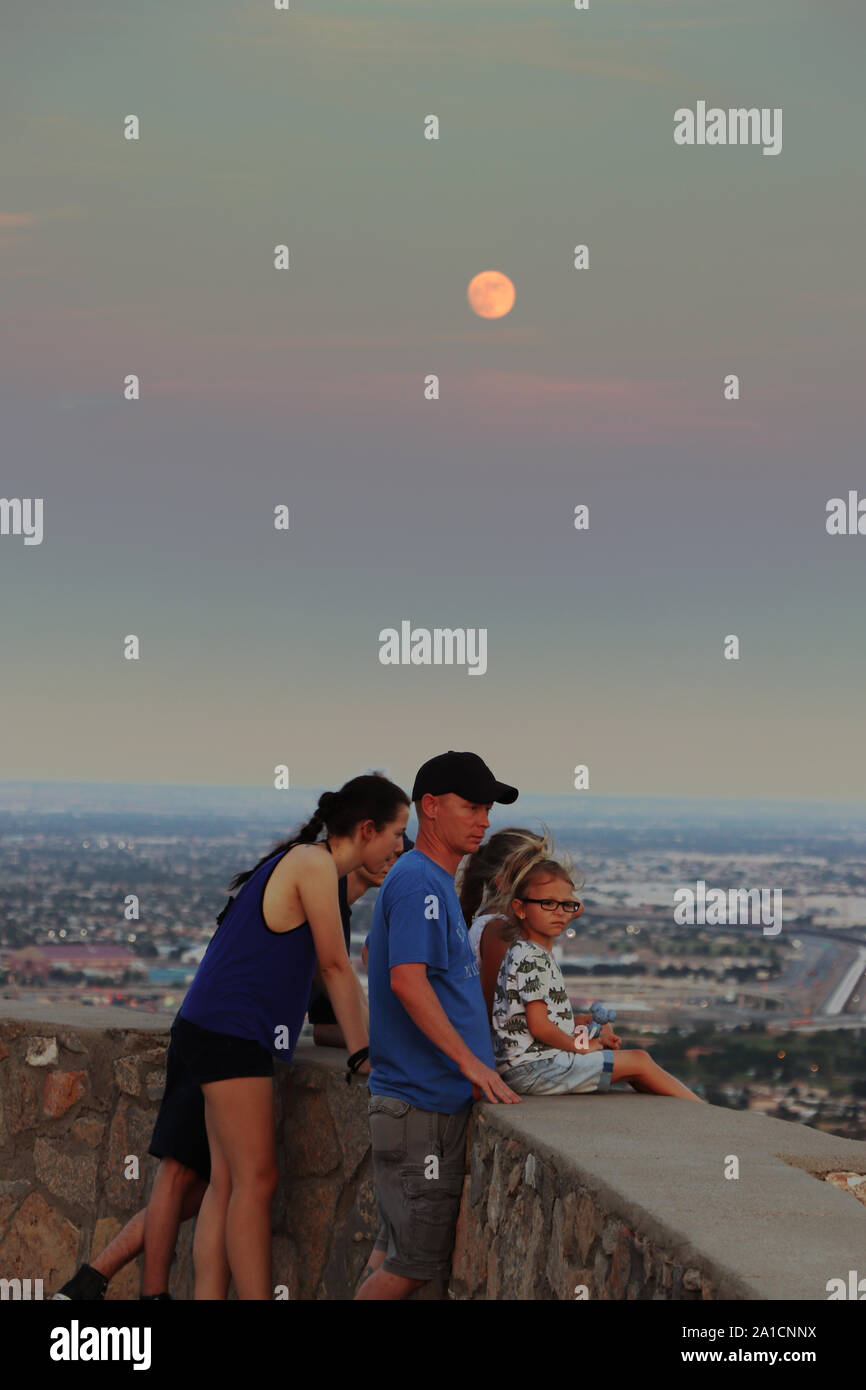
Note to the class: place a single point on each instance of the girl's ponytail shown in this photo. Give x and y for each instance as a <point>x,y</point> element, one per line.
<point>321,817</point>
<point>475,884</point>
<point>371,797</point>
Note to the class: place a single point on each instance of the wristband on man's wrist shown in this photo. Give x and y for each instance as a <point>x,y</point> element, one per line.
<point>355,1061</point>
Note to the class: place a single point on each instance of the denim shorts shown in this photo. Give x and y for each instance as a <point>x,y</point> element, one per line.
<point>565,1073</point>
<point>418,1200</point>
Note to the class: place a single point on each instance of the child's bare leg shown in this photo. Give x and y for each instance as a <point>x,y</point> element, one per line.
<point>126,1245</point>
<point>176,1195</point>
<point>638,1085</point>
<point>636,1066</point>
<point>130,1241</point>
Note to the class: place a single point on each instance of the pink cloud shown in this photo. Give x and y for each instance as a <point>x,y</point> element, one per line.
<point>17,219</point>
<point>332,45</point>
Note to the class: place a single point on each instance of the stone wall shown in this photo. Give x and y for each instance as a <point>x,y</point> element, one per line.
<point>73,1104</point>
<point>624,1196</point>
<point>528,1231</point>
<point>77,1102</point>
<point>616,1196</point>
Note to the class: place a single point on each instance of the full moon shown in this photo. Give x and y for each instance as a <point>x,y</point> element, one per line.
<point>491,294</point>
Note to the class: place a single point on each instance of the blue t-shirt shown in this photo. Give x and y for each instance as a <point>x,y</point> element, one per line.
<point>418,918</point>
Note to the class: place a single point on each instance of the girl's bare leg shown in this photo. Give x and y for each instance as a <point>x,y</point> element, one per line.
<point>240,1115</point>
<point>212,1272</point>
<point>636,1066</point>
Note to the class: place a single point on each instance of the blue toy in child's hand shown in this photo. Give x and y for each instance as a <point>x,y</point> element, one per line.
<point>600,1016</point>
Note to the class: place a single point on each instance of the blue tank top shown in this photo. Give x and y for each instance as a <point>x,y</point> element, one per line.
<point>253,982</point>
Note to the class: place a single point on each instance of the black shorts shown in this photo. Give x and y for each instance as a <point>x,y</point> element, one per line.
<point>180,1132</point>
<point>320,1010</point>
<point>209,1056</point>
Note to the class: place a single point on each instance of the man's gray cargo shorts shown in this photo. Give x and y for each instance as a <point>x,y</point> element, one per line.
<point>419,1162</point>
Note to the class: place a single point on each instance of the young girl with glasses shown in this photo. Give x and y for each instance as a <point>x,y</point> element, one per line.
<point>540,1046</point>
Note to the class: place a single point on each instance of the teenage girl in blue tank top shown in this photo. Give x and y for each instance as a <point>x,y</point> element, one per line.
<point>247,1003</point>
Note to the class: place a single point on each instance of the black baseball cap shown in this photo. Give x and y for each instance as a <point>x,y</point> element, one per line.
<point>464,774</point>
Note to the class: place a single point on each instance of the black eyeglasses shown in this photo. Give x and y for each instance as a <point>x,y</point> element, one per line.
<point>551,904</point>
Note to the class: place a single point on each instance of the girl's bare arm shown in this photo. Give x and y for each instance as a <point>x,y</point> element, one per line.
<point>541,1028</point>
<point>317,889</point>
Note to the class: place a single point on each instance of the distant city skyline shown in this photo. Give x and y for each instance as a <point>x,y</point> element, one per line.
<point>166,797</point>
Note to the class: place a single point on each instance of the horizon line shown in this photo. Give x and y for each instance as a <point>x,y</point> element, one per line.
<point>602,796</point>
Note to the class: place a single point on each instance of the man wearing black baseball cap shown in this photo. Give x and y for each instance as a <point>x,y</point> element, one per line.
<point>430,1047</point>
<point>465,775</point>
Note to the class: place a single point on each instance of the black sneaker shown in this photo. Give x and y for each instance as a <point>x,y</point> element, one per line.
<point>88,1285</point>
<point>154,1297</point>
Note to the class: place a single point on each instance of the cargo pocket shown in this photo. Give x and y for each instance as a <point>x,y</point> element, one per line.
<point>388,1126</point>
<point>433,1204</point>
<point>452,1138</point>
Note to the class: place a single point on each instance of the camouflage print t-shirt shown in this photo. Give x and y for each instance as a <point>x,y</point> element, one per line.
<point>527,973</point>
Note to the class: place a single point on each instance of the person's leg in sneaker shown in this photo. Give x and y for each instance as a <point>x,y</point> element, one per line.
<point>90,1281</point>
<point>87,1285</point>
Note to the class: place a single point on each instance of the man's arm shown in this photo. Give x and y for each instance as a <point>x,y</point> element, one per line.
<point>410,984</point>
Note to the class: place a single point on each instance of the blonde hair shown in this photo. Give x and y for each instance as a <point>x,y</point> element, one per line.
<point>478,871</point>
<point>517,874</point>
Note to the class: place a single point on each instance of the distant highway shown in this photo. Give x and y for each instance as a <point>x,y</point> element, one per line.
<point>663,917</point>
<point>845,988</point>
<point>814,975</point>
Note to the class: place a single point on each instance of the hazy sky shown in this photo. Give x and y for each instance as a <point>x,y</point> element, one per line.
<point>305,387</point>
